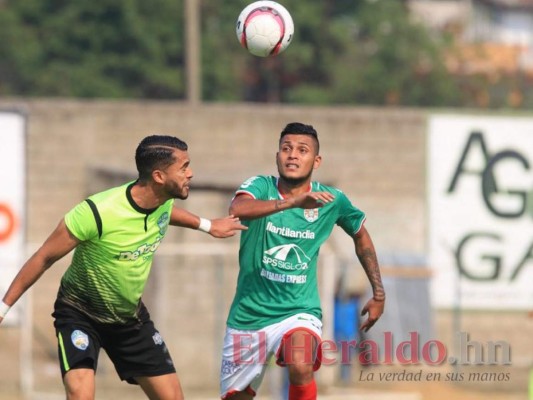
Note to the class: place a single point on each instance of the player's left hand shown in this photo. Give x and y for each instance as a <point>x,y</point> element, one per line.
<point>226,227</point>
<point>374,308</point>
<point>312,199</point>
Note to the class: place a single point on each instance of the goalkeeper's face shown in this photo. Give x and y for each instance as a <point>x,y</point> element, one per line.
<point>297,158</point>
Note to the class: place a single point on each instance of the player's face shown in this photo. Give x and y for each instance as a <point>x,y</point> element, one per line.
<point>178,175</point>
<point>297,158</point>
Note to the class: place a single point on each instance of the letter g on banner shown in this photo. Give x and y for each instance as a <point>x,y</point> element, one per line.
<point>487,182</point>
<point>7,222</point>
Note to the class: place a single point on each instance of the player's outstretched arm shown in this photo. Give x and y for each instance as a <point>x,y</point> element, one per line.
<point>218,227</point>
<point>364,248</point>
<point>59,243</point>
<point>246,207</point>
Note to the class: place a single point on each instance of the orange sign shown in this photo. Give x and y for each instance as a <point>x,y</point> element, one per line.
<point>7,213</point>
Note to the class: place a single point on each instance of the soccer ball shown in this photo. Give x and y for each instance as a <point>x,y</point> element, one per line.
<point>265,28</point>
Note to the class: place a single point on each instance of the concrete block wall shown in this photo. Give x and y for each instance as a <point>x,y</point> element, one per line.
<point>376,156</point>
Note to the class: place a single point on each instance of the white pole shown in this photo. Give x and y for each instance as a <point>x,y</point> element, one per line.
<point>26,347</point>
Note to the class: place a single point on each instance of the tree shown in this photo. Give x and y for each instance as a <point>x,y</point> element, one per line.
<point>343,52</point>
<point>109,48</point>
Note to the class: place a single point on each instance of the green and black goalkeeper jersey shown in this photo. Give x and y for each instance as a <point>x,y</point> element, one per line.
<point>278,255</point>
<point>111,265</point>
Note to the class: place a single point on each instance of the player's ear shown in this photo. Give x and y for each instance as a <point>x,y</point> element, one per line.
<point>317,162</point>
<point>157,176</point>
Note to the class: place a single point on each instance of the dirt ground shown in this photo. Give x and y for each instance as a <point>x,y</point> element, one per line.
<point>422,392</point>
<point>397,391</point>
<point>425,391</point>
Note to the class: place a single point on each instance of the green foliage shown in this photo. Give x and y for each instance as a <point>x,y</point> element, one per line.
<point>343,52</point>
<point>107,48</point>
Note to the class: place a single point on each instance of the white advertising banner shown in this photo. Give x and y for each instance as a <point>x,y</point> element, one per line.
<point>480,197</point>
<point>12,201</point>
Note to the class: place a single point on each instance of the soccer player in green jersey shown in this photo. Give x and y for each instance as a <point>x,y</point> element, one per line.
<point>276,310</point>
<point>115,234</point>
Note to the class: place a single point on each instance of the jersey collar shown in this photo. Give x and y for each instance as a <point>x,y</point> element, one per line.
<point>135,206</point>
<point>309,189</point>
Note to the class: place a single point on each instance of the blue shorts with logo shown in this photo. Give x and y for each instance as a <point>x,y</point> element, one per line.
<point>136,348</point>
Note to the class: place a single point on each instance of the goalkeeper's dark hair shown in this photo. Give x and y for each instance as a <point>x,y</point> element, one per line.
<point>297,128</point>
<point>156,152</point>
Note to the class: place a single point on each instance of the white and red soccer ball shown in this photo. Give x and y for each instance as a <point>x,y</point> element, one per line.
<point>265,28</point>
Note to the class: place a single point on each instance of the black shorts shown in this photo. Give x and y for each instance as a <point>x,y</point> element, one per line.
<point>136,349</point>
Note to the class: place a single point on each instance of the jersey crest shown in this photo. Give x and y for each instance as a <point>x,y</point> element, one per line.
<point>162,223</point>
<point>311,215</point>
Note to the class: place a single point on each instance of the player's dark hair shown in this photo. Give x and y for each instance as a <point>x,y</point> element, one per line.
<point>297,128</point>
<point>156,152</point>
